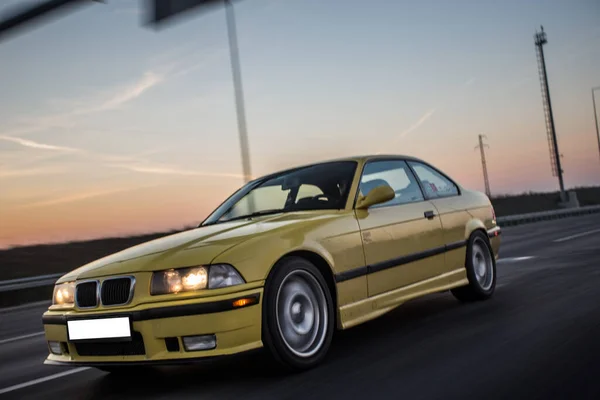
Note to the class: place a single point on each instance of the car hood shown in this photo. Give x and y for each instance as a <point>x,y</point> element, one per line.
<point>193,247</point>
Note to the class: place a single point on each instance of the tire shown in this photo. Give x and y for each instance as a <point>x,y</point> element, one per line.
<point>481,270</point>
<point>298,314</point>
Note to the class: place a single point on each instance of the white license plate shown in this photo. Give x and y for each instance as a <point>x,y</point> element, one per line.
<point>99,328</point>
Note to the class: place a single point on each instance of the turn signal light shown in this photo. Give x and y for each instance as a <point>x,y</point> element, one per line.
<point>244,302</point>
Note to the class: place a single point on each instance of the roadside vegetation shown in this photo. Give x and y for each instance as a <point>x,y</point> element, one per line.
<point>35,260</point>
<point>505,205</point>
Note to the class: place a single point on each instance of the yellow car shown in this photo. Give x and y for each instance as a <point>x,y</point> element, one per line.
<point>284,262</point>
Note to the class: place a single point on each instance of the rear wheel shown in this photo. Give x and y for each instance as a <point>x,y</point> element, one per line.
<point>481,270</point>
<point>298,314</point>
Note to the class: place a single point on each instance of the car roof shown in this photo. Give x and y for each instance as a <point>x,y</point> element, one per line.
<point>358,158</point>
<point>367,157</point>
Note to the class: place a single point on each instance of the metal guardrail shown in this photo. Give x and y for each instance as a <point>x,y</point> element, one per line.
<point>28,283</point>
<point>546,215</point>
<point>47,280</point>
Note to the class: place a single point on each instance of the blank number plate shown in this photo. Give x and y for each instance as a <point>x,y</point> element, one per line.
<point>100,328</point>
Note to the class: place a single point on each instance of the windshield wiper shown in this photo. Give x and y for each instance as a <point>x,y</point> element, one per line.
<point>254,214</point>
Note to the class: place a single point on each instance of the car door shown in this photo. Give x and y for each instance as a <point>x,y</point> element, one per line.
<point>445,195</point>
<point>401,240</point>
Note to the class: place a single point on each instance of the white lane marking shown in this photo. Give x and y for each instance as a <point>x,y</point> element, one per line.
<point>44,379</point>
<point>14,339</point>
<point>25,306</point>
<point>514,259</point>
<point>563,239</point>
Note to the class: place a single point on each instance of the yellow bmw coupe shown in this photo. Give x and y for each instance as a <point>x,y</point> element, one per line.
<point>284,262</point>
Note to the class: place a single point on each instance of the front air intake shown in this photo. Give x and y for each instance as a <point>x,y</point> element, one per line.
<point>117,291</point>
<point>86,294</point>
<point>134,347</point>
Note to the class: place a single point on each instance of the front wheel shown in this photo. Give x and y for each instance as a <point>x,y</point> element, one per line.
<point>298,314</point>
<point>481,270</point>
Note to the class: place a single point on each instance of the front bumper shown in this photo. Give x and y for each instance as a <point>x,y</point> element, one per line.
<point>158,330</point>
<point>494,236</point>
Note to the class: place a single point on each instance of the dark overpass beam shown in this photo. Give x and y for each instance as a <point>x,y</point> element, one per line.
<point>27,16</point>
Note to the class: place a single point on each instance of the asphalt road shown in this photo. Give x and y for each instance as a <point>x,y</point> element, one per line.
<point>538,338</point>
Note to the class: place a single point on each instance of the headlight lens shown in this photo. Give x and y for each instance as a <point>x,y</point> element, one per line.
<point>194,278</point>
<point>64,294</point>
<point>223,275</point>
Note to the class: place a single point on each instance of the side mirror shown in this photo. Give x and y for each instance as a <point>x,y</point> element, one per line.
<point>377,195</point>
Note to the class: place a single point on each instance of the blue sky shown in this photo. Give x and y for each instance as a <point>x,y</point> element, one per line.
<point>103,117</point>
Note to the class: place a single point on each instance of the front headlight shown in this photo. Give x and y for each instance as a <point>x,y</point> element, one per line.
<point>194,278</point>
<point>64,294</point>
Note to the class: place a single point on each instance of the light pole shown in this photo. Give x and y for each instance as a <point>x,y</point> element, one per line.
<point>159,12</point>
<point>237,86</point>
<point>486,181</point>
<point>596,116</point>
<point>540,41</point>
<point>164,10</point>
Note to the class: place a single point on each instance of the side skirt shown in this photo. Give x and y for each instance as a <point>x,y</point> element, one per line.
<point>365,310</point>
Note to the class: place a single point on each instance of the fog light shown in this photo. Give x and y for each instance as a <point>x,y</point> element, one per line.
<point>55,348</point>
<point>202,342</point>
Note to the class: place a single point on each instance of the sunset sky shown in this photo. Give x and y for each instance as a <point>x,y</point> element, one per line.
<point>108,127</point>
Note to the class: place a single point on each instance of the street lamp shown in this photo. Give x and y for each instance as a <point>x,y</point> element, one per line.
<point>162,11</point>
<point>596,116</point>
<point>234,57</point>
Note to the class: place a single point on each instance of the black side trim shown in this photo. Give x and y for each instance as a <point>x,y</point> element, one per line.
<point>161,312</point>
<point>456,245</point>
<point>192,309</point>
<point>397,262</point>
<point>351,274</point>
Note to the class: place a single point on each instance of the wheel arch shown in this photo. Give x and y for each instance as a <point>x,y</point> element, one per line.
<point>477,225</point>
<point>322,265</point>
<point>474,225</point>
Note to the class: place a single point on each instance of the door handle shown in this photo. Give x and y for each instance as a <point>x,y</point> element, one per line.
<point>429,214</point>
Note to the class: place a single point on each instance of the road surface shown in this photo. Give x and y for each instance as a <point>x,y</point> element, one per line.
<point>538,338</point>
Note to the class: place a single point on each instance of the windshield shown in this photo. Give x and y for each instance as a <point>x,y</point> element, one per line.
<point>316,187</point>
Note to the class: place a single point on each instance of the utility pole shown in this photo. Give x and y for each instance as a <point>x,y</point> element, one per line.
<point>540,41</point>
<point>596,117</point>
<point>486,181</point>
<point>237,86</point>
<point>162,11</point>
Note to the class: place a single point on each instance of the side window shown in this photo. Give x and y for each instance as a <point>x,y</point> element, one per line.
<point>263,198</point>
<point>306,190</point>
<point>396,174</point>
<point>434,183</point>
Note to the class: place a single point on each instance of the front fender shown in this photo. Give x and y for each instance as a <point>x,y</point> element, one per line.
<point>336,239</point>
<point>255,257</point>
